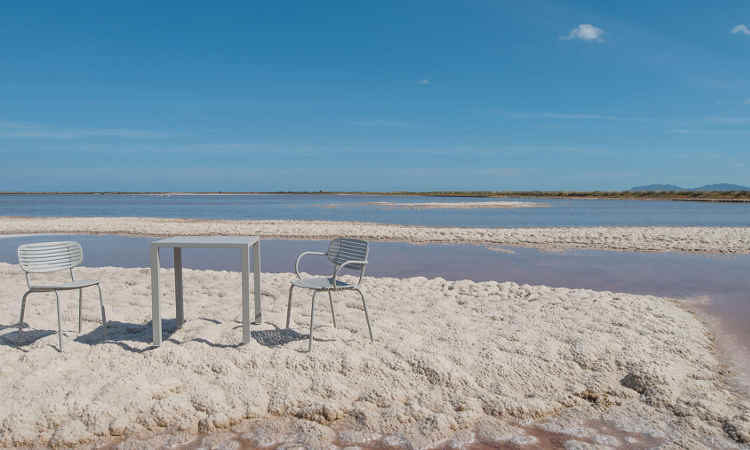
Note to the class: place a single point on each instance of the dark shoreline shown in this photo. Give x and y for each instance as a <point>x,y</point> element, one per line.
<point>696,196</point>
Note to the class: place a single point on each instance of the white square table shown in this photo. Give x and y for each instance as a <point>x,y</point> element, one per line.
<point>178,243</point>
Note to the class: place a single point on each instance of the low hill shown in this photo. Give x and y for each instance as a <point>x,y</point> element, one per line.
<point>722,187</point>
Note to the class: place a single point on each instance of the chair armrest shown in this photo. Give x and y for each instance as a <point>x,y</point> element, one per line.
<point>348,263</point>
<point>299,260</point>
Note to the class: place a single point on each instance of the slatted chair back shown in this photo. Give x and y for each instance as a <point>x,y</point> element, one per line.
<point>49,256</point>
<point>342,250</point>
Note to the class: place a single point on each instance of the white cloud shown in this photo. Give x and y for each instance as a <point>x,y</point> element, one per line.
<point>747,101</point>
<point>585,32</point>
<point>424,82</point>
<point>741,29</point>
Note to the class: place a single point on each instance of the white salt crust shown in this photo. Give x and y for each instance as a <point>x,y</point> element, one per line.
<point>683,239</point>
<point>460,205</point>
<point>448,356</point>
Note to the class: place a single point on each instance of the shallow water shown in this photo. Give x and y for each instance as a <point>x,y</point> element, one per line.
<point>249,438</point>
<point>553,212</point>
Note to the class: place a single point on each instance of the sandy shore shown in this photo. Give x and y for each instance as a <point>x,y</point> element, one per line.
<point>451,360</point>
<point>685,239</point>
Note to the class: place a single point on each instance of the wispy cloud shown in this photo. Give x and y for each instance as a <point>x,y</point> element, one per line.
<point>424,82</point>
<point>381,123</point>
<point>585,32</point>
<point>713,126</point>
<point>729,120</point>
<point>578,116</point>
<point>747,101</point>
<point>741,29</point>
<point>37,131</point>
<point>562,116</point>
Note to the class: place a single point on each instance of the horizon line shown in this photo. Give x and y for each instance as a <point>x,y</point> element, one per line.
<point>319,192</point>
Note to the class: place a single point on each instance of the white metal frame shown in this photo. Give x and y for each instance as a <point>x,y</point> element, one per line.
<point>177,244</point>
<point>342,253</point>
<point>44,257</point>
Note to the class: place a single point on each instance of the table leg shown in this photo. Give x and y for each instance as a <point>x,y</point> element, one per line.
<point>155,312</point>
<point>256,283</point>
<point>178,286</point>
<point>245,295</point>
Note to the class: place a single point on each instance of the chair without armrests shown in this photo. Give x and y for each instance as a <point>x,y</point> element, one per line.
<point>343,253</point>
<point>44,257</point>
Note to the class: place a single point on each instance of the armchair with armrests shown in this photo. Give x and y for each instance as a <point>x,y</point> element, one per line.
<point>343,253</point>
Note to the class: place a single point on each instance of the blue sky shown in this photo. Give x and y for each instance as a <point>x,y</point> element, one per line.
<point>387,96</point>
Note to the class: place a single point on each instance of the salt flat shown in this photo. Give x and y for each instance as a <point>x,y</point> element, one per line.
<point>447,357</point>
<point>726,240</point>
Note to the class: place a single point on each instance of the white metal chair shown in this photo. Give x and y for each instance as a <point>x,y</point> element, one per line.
<point>50,257</point>
<point>343,253</point>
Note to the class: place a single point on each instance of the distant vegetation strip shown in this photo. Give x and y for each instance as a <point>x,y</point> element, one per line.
<point>683,195</point>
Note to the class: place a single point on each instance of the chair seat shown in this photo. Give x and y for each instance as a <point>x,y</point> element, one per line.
<point>77,284</point>
<point>321,284</point>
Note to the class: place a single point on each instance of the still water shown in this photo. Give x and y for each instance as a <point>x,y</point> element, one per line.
<point>362,208</point>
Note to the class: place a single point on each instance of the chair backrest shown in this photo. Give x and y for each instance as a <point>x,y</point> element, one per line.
<point>342,250</point>
<point>49,256</point>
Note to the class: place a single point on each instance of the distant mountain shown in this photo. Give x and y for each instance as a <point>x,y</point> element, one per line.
<point>722,187</point>
<point>658,188</point>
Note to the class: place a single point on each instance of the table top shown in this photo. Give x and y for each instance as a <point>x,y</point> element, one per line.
<point>207,241</point>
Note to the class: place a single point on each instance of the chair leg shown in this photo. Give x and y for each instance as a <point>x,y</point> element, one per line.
<point>59,322</point>
<point>80,309</point>
<point>20,321</point>
<point>23,309</point>
<point>333,314</point>
<point>312,314</point>
<point>289,307</point>
<point>101,305</point>
<point>367,317</point>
